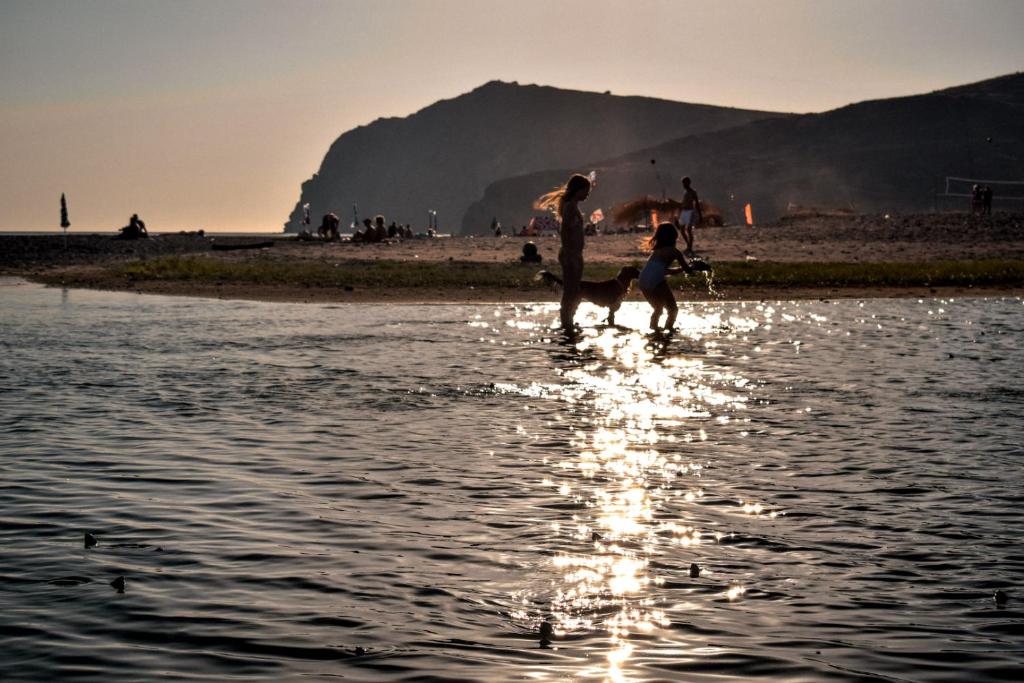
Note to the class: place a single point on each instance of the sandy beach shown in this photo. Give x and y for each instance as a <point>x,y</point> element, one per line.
<point>92,261</point>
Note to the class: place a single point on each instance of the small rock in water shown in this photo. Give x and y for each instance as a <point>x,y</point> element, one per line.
<point>118,584</point>
<point>547,633</point>
<point>694,570</point>
<point>360,651</point>
<point>90,540</point>
<point>1001,598</point>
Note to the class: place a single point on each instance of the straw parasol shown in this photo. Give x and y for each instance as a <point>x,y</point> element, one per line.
<point>645,209</point>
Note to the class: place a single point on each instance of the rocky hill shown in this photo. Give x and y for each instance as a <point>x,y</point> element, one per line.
<point>444,156</point>
<point>881,155</point>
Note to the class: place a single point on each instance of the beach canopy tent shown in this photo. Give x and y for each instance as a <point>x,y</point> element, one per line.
<point>651,211</point>
<point>645,210</point>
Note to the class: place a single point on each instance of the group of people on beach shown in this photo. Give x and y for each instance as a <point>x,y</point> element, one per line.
<point>373,231</point>
<point>662,245</point>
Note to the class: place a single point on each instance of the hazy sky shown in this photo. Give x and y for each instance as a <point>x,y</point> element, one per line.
<point>210,113</point>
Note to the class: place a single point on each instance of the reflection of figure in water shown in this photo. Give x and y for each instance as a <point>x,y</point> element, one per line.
<point>652,277</point>
<point>566,200</point>
<point>690,215</point>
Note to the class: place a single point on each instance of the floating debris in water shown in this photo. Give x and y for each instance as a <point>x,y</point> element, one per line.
<point>694,570</point>
<point>595,537</point>
<point>118,584</point>
<point>360,651</point>
<point>1001,598</point>
<point>90,540</point>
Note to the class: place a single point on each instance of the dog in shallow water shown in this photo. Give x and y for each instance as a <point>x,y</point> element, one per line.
<point>607,293</point>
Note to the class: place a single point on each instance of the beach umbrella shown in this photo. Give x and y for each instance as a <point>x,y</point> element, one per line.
<point>64,222</point>
<point>645,209</point>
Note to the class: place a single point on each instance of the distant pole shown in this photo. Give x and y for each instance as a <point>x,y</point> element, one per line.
<point>64,222</point>
<point>657,176</point>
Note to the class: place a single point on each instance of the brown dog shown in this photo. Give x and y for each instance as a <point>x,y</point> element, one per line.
<point>607,293</point>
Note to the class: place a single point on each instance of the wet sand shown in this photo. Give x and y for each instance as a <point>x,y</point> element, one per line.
<point>822,239</point>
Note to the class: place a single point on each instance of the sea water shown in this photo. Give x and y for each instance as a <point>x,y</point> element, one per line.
<point>407,493</point>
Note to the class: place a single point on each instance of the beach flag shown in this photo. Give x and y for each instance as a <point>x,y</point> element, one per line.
<point>597,216</point>
<point>749,214</point>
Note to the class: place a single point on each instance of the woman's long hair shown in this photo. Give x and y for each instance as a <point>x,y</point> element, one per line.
<point>665,236</point>
<point>555,200</point>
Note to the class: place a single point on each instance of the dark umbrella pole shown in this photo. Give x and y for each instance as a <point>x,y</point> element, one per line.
<point>64,222</point>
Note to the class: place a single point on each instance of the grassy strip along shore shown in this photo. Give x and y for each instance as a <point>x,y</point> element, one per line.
<point>204,272</point>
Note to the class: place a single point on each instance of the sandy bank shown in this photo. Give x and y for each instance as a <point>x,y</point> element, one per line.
<point>99,262</point>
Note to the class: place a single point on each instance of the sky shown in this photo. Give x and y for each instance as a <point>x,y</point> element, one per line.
<point>211,113</point>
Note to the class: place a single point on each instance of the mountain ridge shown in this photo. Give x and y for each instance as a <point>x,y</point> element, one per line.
<point>442,156</point>
<point>874,155</point>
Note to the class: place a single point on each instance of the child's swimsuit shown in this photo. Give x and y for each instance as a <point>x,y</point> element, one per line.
<point>653,274</point>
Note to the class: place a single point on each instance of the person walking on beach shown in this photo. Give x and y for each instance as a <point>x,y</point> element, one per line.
<point>652,278</point>
<point>690,216</point>
<point>566,201</point>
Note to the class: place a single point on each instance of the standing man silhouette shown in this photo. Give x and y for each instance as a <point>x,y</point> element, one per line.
<point>690,216</point>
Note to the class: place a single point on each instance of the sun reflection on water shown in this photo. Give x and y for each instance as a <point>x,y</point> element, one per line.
<point>643,404</point>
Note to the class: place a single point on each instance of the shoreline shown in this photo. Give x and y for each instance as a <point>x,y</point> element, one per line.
<point>807,257</point>
<point>276,293</point>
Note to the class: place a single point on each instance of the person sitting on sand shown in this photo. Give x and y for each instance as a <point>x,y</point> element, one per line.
<point>652,278</point>
<point>380,231</point>
<point>364,234</point>
<point>134,230</point>
<point>530,254</point>
<point>329,227</point>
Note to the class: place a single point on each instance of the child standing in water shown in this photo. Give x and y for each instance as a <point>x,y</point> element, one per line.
<point>566,200</point>
<point>652,278</point>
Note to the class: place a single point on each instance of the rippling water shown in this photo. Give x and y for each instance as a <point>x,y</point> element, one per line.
<point>283,484</point>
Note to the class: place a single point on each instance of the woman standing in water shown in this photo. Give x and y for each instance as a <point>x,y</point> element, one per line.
<point>566,201</point>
